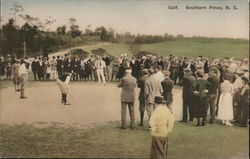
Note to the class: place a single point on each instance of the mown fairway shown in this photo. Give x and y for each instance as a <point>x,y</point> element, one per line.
<point>213,48</point>
<point>185,142</point>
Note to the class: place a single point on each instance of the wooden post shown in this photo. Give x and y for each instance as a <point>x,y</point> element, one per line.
<point>24,49</point>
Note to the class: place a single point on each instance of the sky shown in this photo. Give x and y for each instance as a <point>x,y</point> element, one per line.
<point>142,16</point>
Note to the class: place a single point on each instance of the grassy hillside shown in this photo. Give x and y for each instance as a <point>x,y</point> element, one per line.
<point>219,49</point>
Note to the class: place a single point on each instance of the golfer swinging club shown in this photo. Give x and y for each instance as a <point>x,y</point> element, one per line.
<point>63,82</point>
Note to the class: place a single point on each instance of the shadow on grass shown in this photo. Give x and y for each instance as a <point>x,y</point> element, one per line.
<point>185,142</point>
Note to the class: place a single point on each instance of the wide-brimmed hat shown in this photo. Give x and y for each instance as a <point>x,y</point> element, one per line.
<point>159,100</point>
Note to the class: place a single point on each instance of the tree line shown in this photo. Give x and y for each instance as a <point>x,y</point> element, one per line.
<point>34,37</point>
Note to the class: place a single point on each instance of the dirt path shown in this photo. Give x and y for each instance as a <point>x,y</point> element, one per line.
<point>91,104</point>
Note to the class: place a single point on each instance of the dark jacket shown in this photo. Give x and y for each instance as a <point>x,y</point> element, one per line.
<point>141,85</point>
<point>215,84</point>
<point>167,86</point>
<point>188,82</point>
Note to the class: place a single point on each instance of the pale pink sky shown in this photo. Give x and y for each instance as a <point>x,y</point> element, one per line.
<point>143,16</point>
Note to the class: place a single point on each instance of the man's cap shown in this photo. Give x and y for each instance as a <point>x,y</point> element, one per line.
<point>159,100</point>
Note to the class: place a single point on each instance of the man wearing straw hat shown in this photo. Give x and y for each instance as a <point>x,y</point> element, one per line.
<point>161,122</point>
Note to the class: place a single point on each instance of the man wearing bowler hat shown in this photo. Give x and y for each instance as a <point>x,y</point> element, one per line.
<point>161,122</point>
<point>128,84</point>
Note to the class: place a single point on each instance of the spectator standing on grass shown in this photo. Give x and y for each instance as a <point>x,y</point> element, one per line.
<point>15,75</point>
<point>187,95</point>
<point>244,102</point>
<point>100,66</point>
<point>213,79</point>
<point>142,100</point>
<point>200,89</point>
<point>107,61</point>
<point>167,86</point>
<point>225,110</point>
<point>53,66</point>
<point>48,72</point>
<point>34,67</point>
<point>161,122</point>
<point>238,83</point>
<point>2,68</point>
<point>23,72</point>
<point>8,70</point>
<point>153,88</point>
<point>128,84</point>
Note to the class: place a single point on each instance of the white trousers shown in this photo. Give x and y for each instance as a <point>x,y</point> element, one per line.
<point>53,75</point>
<point>100,75</point>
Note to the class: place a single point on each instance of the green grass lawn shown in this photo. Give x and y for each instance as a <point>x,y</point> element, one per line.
<point>219,49</point>
<point>185,142</point>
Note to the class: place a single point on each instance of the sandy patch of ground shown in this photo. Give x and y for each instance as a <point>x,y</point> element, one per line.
<point>90,104</point>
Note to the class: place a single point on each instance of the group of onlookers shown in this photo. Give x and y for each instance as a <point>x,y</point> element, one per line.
<point>208,83</point>
<point>221,86</point>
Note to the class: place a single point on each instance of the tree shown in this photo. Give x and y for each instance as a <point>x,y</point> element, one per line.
<point>12,37</point>
<point>61,30</point>
<point>74,29</point>
<point>134,48</point>
<point>102,31</point>
<point>15,10</point>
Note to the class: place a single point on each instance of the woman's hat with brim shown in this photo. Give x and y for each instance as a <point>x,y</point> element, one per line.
<point>159,100</point>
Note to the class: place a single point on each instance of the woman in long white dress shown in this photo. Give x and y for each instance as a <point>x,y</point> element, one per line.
<point>225,110</point>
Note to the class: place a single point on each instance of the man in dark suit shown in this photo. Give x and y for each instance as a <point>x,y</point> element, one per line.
<point>34,67</point>
<point>128,84</point>
<point>187,94</point>
<point>167,86</point>
<point>142,100</point>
